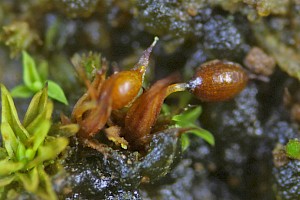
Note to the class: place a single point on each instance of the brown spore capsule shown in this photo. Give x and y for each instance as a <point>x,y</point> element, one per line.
<point>127,84</point>
<point>218,81</point>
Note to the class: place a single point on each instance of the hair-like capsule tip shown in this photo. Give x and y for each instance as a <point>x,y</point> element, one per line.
<point>144,59</point>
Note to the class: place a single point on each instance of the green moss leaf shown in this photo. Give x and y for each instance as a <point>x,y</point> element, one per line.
<point>45,115</point>
<point>6,180</point>
<point>185,142</point>
<point>7,167</point>
<point>67,130</point>
<point>21,151</point>
<point>21,91</point>
<point>9,139</point>
<point>46,192</point>
<point>56,92</point>
<point>204,134</point>
<point>43,70</point>
<point>40,134</point>
<point>36,106</point>
<point>30,75</point>
<point>3,153</point>
<point>293,149</point>
<point>30,179</point>
<point>49,151</point>
<point>188,117</point>
<point>10,116</point>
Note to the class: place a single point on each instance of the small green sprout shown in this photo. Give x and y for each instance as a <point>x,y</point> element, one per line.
<point>34,81</point>
<point>187,119</point>
<point>27,147</point>
<point>293,149</point>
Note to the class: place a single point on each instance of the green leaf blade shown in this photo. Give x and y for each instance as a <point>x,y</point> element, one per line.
<point>10,116</point>
<point>40,134</point>
<point>47,192</point>
<point>56,92</point>
<point>49,151</point>
<point>21,91</point>
<point>6,180</point>
<point>8,167</point>
<point>188,117</point>
<point>204,134</point>
<point>43,70</point>
<point>36,106</point>
<point>30,75</point>
<point>185,142</point>
<point>30,179</point>
<point>9,139</point>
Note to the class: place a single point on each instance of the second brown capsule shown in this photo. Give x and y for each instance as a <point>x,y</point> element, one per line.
<point>218,81</point>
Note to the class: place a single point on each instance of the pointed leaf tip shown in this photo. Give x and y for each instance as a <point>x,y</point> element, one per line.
<point>56,92</point>
<point>21,91</point>
<point>30,74</point>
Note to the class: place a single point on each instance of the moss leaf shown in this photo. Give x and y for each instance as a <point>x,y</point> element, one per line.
<point>21,152</point>
<point>46,192</point>
<point>8,167</point>
<point>3,153</point>
<point>67,130</point>
<point>204,134</point>
<point>46,114</point>
<point>49,151</point>
<point>185,142</point>
<point>9,139</point>
<point>6,180</point>
<point>31,76</point>
<point>40,134</point>
<point>36,106</point>
<point>10,116</point>
<point>188,117</point>
<point>21,91</point>
<point>56,92</point>
<point>30,179</point>
<point>43,70</point>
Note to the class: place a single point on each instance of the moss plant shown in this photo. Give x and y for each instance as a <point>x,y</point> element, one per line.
<point>27,147</point>
<point>34,81</point>
<point>187,119</point>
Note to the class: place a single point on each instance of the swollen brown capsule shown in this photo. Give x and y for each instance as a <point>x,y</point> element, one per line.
<point>218,81</point>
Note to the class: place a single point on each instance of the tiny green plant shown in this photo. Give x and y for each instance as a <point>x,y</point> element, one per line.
<point>187,119</point>
<point>27,147</point>
<point>34,81</point>
<point>293,149</point>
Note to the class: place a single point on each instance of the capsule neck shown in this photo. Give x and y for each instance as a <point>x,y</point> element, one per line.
<point>177,87</point>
